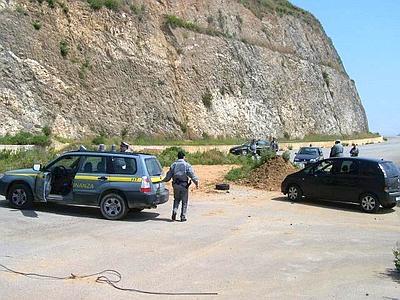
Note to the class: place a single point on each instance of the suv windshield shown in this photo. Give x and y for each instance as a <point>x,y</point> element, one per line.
<point>153,167</point>
<point>389,168</point>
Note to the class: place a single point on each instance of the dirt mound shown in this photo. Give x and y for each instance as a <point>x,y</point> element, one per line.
<point>270,175</point>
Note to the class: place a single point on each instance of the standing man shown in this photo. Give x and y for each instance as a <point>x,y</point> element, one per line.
<point>180,172</point>
<point>253,148</point>
<point>274,145</point>
<point>354,151</point>
<point>337,150</point>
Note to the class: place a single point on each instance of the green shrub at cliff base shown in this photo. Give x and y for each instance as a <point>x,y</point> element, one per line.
<point>210,157</point>
<point>96,4</point>
<point>248,165</point>
<point>25,138</point>
<point>100,139</point>
<point>24,159</point>
<point>112,4</point>
<point>286,156</point>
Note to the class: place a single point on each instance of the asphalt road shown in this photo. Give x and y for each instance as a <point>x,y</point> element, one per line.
<point>389,150</point>
<point>246,244</point>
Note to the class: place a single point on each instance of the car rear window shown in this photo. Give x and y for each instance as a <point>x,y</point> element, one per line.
<point>390,169</point>
<point>153,166</point>
<point>121,165</point>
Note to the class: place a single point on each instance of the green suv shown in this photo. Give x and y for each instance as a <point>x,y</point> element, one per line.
<point>114,181</point>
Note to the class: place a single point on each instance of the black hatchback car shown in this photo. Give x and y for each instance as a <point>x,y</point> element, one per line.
<point>369,182</point>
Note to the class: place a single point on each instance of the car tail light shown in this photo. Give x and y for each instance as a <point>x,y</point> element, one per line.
<point>145,187</point>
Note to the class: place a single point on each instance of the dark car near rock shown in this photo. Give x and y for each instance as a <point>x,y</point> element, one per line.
<point>307,155</point>
<point>368,182</point>
<point>245,148</point>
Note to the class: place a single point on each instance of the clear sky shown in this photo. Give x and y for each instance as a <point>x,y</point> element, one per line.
<point>366,33</point>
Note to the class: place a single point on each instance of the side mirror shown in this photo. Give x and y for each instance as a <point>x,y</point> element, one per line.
<point>37,167</point>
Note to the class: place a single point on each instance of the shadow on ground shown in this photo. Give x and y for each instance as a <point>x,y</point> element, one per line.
<point>393,274</point>
<point>81,211</point>
<point>343,206</point>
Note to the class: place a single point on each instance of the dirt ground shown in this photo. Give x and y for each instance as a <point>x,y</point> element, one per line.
<point>209,176</point>
<point>245,244</point>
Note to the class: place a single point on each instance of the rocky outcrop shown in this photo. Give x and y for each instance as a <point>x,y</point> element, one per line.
<point>218,68</point>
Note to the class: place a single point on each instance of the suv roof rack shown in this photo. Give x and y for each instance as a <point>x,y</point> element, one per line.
<point>80,150</point>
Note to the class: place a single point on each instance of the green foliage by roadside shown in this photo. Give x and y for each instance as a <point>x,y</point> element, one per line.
<point>100,139</point>
<point>25,138</point>
<point>24,159</point>
<point>249,164</point>
<point>210,157</point>
<point>286,156</point>
<point>396,253</point>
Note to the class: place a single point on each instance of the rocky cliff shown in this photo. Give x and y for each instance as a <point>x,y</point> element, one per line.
<point>171,67</point>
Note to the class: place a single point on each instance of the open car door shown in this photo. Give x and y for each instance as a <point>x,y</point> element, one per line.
<point>43,186</point>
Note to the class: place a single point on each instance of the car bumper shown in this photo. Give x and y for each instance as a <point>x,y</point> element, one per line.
<point>3,188</point>
<point>390,198</point>
<point>142,200</point>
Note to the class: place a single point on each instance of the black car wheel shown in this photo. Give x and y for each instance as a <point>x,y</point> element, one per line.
<point>20,196</point>
<point>369,203</point>
<point>113,207</point>
<point>294,193</point>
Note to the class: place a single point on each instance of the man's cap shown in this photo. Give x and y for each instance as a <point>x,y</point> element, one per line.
<point>124,144</point>
<point>337,141</point>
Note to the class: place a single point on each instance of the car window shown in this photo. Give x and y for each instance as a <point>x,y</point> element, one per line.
<point>153,166</point>
<point>121,165</point>
<point>347,167</point>
<point>68,162</point>
<point>262,143</point>
<point>93,164</point>
<point>370,169</point>
<point>325,167</point>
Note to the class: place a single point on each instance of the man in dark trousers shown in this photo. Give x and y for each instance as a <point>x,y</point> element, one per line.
<point>337,150</point>
<point>181,172</point>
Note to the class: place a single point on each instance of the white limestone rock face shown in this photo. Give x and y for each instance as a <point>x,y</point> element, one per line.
<point>267,74</point>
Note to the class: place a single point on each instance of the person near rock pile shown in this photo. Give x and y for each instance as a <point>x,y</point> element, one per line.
<point>253,148</point>
<point>274,145</point>
<point>337,150</point>
<point>181,172</point>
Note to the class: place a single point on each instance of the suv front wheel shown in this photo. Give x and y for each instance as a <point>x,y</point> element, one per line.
<point>369,203</point>
<point>113,207</point>
<point>20,196</point>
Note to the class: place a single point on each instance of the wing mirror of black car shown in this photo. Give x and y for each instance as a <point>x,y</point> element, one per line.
<point>37,167</point>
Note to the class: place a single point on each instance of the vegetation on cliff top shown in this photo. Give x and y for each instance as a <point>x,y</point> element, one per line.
<point>281,7</point>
